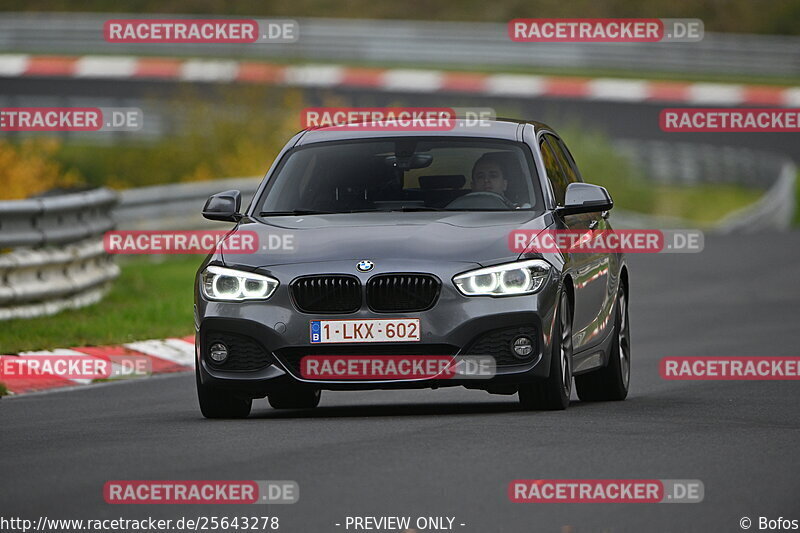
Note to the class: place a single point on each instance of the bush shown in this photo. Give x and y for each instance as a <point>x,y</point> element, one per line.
<point>30,167</point>
<point>237,132</point>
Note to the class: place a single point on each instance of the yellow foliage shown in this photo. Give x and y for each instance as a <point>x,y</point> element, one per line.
<point>29,168</point>
<point>202,172</point>
<point>244,141</point>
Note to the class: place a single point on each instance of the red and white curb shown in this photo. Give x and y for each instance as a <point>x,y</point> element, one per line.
<point>400,80</point>
<point>163,356</point>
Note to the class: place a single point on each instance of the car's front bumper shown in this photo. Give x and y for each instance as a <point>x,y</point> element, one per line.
<point>455,326</point>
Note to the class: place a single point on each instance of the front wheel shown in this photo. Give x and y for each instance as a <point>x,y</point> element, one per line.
<point>215,403</point>
<point>611,383</point>
<point>553,393</point>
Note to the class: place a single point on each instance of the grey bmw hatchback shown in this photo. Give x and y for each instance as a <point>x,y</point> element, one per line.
<point>385,261</point>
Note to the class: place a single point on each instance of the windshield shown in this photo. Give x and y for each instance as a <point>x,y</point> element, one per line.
<point>403,174</point>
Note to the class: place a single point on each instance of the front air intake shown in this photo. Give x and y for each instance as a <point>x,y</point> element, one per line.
<point>402,293</point>
<point>327,294</point>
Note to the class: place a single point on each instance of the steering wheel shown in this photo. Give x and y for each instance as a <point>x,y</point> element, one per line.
<point>482,200</point>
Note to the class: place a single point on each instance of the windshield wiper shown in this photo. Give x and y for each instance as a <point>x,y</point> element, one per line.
<point>397,209</point>
<point>299,212</point>
<point>296,212</point>
<point>486,210</point>
<point>417,208</point>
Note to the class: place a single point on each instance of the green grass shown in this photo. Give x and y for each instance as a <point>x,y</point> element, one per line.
<point>3,390</point>
<point>702,204</point>
<point>151,299</point>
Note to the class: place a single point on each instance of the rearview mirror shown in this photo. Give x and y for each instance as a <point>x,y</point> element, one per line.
<point>413,161</point>
<point>224,206</point>
<point>585,198</point>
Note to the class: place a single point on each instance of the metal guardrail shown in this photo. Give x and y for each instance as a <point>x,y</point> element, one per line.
<point>51,253</point>
<point>420,42</point>
<point>683,163</point>
<point>56,219</point>
<point>775,210</point>
<point>692,164</point>
<point>176,206</point>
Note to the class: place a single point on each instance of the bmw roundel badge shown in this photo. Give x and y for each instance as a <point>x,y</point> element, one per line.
<point>365,265</point>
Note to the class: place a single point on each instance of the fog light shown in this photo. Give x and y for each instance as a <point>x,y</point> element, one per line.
<point>218,352</point>
<point>522,346</point>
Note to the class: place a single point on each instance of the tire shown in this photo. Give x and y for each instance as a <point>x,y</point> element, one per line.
<point>612,382</point>
<point>215,403</point>
<point>295,398</point>
<point>553,393</point>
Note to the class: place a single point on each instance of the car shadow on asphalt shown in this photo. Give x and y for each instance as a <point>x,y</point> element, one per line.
<point>644,406</point>
<point>395,410</point>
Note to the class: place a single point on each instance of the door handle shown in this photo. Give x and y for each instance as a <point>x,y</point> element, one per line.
<point>593,224</point>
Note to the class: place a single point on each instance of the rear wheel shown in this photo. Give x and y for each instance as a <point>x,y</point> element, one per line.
<point>611,382</point>
<point>553,393</point>
<point>295,398</point>
<point>215,403</point>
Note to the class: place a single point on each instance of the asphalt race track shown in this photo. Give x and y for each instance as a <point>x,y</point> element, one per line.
<point>453,452</point>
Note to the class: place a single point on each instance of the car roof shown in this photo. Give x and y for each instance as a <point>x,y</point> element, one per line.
<point>501,128</point>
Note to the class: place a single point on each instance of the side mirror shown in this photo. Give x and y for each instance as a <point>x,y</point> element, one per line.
<point>585,198</point>
<point>224,206</point>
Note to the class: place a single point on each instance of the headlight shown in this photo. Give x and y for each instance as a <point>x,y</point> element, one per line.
<point>236,285</point>
<point>524,277</point>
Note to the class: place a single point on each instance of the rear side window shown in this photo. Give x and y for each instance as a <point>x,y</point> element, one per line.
<point>565,158</point>
<point>555,173</point>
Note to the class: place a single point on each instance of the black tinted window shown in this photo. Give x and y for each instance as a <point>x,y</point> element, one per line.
<point>404,174</point>
<point>565,158</point>
<point>554,172</point>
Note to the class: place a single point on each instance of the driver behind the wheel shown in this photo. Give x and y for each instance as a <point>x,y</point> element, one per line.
<point>488,175</point>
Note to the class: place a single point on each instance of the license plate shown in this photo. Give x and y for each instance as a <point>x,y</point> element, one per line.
<point>371,330</point>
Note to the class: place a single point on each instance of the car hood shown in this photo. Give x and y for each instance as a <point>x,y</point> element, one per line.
<point>476,237</point>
